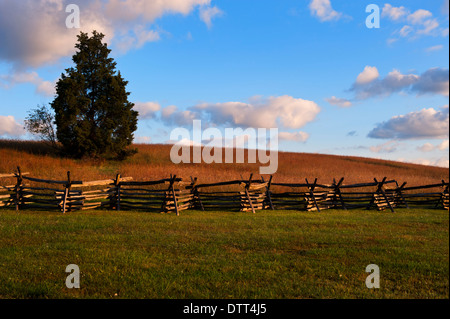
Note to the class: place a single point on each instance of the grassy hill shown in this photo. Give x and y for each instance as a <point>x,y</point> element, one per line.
<point>153,162</point>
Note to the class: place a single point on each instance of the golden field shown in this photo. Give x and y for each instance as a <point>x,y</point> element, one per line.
<point>153,162</point>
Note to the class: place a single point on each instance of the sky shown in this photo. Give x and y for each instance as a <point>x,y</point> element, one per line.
<point>311,68</point>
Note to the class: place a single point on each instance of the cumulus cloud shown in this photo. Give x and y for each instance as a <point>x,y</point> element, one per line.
<point>369,74</point>
<point>393,13</point>
<point>388,147</point>
<point>323,10</point>
<point>426,123</point>
<point>136,38</point>
<point>10,128</point>
<point>428,147</point>
<point>126,11</point>
<point>339,101</point>
<point>418,23</point>
<point>435,80</point>
<point>369,84</point>
<point>440,162</point>
<point>208,13</point>
<point>296,136</point>
<point>147,110</point>
<point>171,116</point>
<point>283,111</point>
<point>43,87</point>
<point>33,32</point>
<point>429,27</point>
<point>419,16</point>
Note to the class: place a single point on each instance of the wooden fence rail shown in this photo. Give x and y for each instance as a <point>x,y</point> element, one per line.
<point>172,194</point>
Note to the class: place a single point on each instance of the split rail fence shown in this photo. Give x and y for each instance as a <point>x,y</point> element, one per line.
<point>175,195</point>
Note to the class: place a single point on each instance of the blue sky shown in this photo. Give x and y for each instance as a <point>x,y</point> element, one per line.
<point>312,68</point>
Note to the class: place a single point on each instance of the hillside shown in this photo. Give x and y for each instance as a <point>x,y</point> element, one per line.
<point>153,162</point>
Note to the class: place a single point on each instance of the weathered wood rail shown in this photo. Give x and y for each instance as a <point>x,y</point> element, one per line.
<point>175,195</point>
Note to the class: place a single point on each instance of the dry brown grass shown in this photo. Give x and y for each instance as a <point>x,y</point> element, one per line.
<point>153,162</point>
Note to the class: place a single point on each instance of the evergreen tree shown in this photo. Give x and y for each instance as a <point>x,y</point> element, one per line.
<point>93,116</point>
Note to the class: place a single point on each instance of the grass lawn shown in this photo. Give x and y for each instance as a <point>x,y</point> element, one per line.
<point>270,254</point>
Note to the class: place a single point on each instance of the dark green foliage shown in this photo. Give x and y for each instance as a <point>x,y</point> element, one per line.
<point>92,113</point>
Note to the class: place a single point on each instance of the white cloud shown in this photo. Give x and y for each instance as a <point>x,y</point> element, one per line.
<point>393,13</point>
<point>339,101</point>
<point>440,162</point>
<point>208,13</point>
<point>393,82</point>
<point>34,32</point>
<point>432,81</point>
<point>323,10</point>
<point>147,110</point>
<point>434,48</point>
<point>43,87</point>
<point>429,27</point>
<point>296,136</point>
<point>142,140</point>
<point>405,31</point>
<point>137,38</point>
<point>126,11</point>
<point>428,147</point>
<point>168,111</point>
<point>388,147</point>
<point>171,116</point>
<point>443,145</point>
<point>369,74</point>
<point>426,123</point>
<point>9,127</point>
<point>419,16</point>
<point>419,23</point>
<point>284,111</point>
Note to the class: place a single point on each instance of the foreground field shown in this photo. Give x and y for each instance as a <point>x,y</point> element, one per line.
<point>271,254</point>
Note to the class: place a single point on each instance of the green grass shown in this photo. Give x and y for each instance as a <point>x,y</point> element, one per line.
<point>271,254</point>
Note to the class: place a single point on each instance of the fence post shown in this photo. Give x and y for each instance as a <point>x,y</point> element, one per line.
<point>398,192</point>
<point>66,192</point>
<point>17,189</point>
<point>337,191</point>
<point>173,194</point>
<point>380,189</point>
<point>248,195</point>
<point>311,192</point>
<point>195,192</point>
<point>268,191</point>
<point>117,184</point>
<point>444,196</point>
